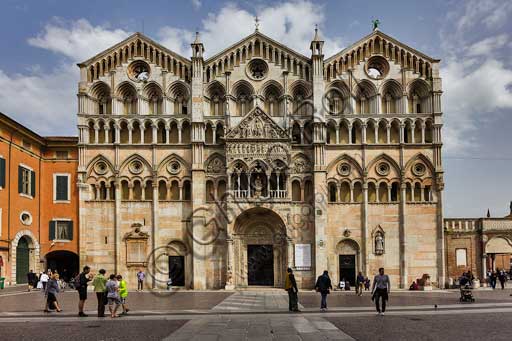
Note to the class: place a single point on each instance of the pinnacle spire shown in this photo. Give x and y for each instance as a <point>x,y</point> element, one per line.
<point>317,35</point>
<point>198,39</point>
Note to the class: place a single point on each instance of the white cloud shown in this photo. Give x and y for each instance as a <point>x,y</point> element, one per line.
<point>196,4</point>
<point>44,102</point>
<point>291,23</point>
<point>78,40</point>
<point>488,46</point>
<point>472,92</point>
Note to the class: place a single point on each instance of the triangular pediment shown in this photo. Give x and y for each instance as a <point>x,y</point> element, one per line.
<point>257,125</point>
<point>256,37</point>
<point>378,35</point>
<point>134,39</point>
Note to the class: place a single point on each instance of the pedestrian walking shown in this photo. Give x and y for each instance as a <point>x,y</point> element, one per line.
<point>290,285</point>
<point>99,283</point>
<point>44,278</point>
<point>359,283</point>
<point>140,280</point>
<point>81,282</point>
<point>323,284</point>
<point>52,288</point>
<point>380,291</point>
<point>367,284</point>
<point>502,277</point>
<point>123,294</point>
<point>31,280</point>
<point>494,277</point>
<point>113,295</point>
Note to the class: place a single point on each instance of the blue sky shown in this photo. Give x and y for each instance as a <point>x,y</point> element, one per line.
<point>43,40</point>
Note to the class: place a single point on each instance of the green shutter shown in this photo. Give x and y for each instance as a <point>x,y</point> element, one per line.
<point>52,229</point>
<point>70,230</point>
<point>62,187</point>
<point>2,172</point>
<point>20,179</point>
<point>33,183</point>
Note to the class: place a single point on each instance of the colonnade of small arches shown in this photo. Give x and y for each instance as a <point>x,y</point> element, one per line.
<point>137,189</point>
<point>379,131</point>
<point>167,60</point>
<point>384,191</point>
<point>407,59</point>
<point>140,131</point>
<point>389,98</point>
<point>289,61</point>
<point>126,99</point>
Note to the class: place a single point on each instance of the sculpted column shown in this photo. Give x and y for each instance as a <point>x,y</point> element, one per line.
<point>318,139</point>
<point>198,219</point>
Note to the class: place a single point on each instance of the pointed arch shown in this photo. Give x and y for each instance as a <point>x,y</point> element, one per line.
<point>171,157</point>
<point>345,157</point>
<point>424,159</point>
<point>133,157</point>
<point>386,157</point>
<point>96,159</point>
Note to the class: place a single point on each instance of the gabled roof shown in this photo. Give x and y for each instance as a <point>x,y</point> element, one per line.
<point>384,36</point>
<point>261,37</point>
<point>134,37</point>
<point>256,125</point>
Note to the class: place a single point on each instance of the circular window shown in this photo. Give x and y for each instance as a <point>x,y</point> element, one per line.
<point>383,168</point>
<point>257,69</point>
<point>26,218</point>
<point>136,167</point>
<point>377,67</point>
<point>344,169</point>
<point>419,169</point>
<point>139,71</point>
<point>173,167</point>
<point>101,167</point>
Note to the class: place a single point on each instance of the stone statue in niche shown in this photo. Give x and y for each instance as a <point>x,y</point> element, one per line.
<point>379,243</point>
<point>258,186</point>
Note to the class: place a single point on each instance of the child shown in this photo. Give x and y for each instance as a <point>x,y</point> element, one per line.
<point>123,294</point>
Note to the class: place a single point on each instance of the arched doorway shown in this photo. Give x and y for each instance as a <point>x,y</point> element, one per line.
<point>260,249</point>
<point>65,262</point>
<point>22,260</point>
<point>348,260</point>
<point>499,253</point>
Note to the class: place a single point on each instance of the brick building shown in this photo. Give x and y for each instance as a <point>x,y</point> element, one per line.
<point>38,202</point>
<point>478,244</point>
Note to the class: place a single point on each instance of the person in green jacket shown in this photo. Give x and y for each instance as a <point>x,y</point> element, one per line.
<point>99,283</point>
<point>123,294</point>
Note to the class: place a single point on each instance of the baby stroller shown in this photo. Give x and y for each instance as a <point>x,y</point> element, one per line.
<point>466,294</point>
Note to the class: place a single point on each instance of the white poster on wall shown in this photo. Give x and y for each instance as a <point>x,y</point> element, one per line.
<point>303,256</point>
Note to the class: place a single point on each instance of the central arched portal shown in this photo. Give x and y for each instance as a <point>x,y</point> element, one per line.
<point>260,249</point>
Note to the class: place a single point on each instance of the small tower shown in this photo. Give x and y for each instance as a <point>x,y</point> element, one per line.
<point>317,44</point>
<point>197,56</point>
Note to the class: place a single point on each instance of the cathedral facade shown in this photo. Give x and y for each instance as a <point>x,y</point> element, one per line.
<point>222,172</point>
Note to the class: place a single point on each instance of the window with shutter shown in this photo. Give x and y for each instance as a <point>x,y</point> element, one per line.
<point>61,230</point>
<point>26,181</point>
<point>61,187</point>
<point>2,172</point>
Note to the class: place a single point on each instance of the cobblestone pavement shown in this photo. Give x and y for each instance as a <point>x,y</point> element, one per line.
<point>263,315</point>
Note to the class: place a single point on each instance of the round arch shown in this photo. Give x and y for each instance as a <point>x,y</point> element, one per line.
<point>66,263</point>
<point>261,251</point>
<point>348,261</point>
<point>30,262</point>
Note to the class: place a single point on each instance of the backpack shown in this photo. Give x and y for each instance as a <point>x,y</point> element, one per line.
<point>76,282</point>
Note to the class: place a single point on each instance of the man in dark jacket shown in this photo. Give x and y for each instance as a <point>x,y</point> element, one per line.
<point>323,284</point>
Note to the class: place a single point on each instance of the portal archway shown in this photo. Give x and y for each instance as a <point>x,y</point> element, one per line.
<point>499,251</point>
<point>260,249</point>
<point>28,249</point>
<point>348,260</point>
<point>64,262</point>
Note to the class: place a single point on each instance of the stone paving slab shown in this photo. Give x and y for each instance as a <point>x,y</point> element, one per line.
<point>261,328</point>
